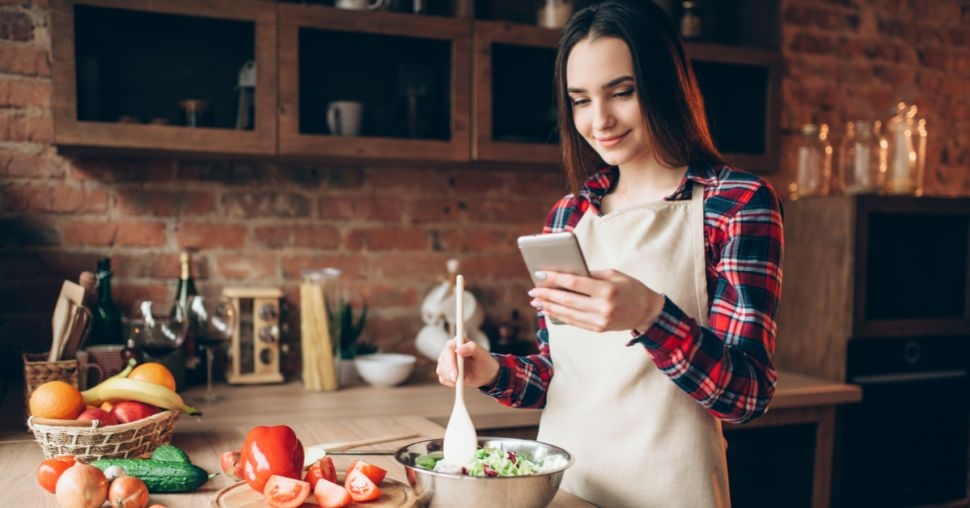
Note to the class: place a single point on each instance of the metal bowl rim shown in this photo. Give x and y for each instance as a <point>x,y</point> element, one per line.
<point>560,450</point>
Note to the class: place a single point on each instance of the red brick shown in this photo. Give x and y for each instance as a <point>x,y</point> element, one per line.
<point>247,266</point>
<point>361,208</point>
<point>24,60</point>
<point>109,233</point>
<point>154,265</point>
<point>380,295</point>
<point>16,26</point>
<point>506,211</point>
<point>268,204</point>
<point>477,239</point>
<point>393,333</point>
<point>353,265</point>
<point>124,170</point>
<point>481,183</point>
<point>410,182</point>
<point>17,125</point>
<point>55,199</point>
<point>313,236</point>
<point>25,93</point>
<point>194,235</point>
<point>434,210</point>
<point>31,164</point>
<point>126,294</point>
<point>168,203</point>
<point>494,267</point>
<point>412,266</point>
<point>388,238</point>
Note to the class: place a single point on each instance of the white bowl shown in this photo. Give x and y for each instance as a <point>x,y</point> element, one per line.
<point>385,369</point>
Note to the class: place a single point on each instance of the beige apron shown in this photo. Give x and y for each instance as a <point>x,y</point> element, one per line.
<point>637,439</point>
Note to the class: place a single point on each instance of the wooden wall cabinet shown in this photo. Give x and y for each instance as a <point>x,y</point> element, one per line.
<point>411,73</point>
<point>121,67</point>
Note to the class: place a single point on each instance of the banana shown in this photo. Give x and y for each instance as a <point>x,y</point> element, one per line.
<point>121,388</point>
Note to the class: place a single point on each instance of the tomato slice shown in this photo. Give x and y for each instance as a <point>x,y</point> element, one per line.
<point>375,473</point>
<point>285,492</point>
<point>331,495</point>
<point>231,465</point>
<point>360,487</point>
<point>327,469</point>
<point>49,470</point>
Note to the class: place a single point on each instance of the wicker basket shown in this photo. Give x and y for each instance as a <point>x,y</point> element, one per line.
<point>91,441</point>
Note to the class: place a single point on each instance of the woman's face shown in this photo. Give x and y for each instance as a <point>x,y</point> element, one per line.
<point>605,107</point>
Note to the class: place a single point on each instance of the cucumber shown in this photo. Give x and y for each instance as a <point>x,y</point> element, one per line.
<point>170,453</point>
<point>160,476</point>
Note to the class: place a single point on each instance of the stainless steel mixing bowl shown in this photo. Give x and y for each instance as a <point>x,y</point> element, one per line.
<point>444,490</point>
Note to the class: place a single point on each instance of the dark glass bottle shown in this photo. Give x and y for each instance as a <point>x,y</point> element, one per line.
<point>106,328</point>
<point>192,353</point>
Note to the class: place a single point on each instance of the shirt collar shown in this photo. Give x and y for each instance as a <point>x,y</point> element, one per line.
<point>599,184</point>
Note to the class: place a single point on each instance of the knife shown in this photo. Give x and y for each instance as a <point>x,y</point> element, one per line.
<point>313,453</point>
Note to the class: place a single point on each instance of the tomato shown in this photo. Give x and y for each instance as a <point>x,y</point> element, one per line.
<point>231,465</point>
<point>270,451</point>
<point>331,495</point>
<point>360,487</point>
<point>49,470</point>
<point>285,492</point>
<point>322,468</point>
<point>376,474</point>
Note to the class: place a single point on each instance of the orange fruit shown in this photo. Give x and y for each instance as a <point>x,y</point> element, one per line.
<point>154,372</point>
<point>57,400</point>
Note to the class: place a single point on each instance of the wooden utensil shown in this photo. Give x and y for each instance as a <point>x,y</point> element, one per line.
<point>460,441</point>
<point>61,320</point>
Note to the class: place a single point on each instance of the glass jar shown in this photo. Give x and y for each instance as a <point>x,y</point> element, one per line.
<point>554,13</point>
<point>814,172</point>
<point>862,158</point>
<point>906,151</point>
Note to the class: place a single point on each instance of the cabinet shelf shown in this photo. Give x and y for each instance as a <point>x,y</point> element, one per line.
<point>122,87</point>
<point>409,73</point>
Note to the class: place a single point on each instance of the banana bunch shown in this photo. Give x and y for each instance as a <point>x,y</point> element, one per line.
<point>119,387</point>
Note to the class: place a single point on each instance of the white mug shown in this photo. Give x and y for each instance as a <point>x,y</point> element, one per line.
<point>344,117</point>
<point>359,5</point>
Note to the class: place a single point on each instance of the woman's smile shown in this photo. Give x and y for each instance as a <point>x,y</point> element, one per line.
<point>611,141</point>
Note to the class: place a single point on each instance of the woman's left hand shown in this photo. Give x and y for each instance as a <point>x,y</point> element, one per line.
<point>606,300</point>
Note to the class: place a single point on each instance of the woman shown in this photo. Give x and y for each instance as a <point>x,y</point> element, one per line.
<point>674,330</point>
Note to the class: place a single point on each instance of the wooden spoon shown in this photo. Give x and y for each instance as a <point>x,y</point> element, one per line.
<point>460,442</point>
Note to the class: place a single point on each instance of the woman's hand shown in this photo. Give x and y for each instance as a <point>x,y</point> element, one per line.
<point>480,368</point>
<point>606,300</point>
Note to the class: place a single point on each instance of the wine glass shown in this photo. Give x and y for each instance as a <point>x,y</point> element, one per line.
<point>155,330</point>
<point>212,321</point>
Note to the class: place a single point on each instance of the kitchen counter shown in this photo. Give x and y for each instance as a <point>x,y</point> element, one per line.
<point>362,411</point>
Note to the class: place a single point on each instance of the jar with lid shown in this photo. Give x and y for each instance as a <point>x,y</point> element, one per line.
<point>862,157</point>
<point>814,155</point>
<point>906,151</point>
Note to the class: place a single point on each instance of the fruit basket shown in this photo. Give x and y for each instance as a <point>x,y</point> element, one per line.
<point>89,441</point>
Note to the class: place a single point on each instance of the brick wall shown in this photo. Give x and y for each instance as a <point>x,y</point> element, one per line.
<point>391,229</point>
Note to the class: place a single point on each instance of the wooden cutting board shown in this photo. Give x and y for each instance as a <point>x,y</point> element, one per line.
<point>240,495</point>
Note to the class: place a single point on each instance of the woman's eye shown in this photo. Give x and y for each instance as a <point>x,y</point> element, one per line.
<point>624,93</point>
<point>579,101</point>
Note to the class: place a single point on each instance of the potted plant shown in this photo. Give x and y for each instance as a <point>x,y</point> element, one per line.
<point>345,331</point>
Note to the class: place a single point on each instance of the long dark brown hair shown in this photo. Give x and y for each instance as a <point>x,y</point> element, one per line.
<point>666,88</point>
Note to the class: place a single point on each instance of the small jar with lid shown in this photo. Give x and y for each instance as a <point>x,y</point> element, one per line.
<point>862,158</point>
<point>814,155</point>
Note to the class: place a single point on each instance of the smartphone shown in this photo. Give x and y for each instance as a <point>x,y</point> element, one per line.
<point>558,252</point>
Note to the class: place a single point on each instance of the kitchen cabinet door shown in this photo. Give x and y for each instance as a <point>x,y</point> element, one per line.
<point>401,82</point>
<point>132,74</point>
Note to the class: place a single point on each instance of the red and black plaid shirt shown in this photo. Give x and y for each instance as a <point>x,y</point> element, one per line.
<point>727,365</point>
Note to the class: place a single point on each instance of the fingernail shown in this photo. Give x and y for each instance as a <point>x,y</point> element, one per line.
<point>532,293</point>
<point>536,304</point>
<point>540,275</point>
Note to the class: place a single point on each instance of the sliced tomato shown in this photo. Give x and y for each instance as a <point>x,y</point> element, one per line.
<point>49,470</point>
<point>322,468</point>
<point>285,492</point>
<point>360,487</point>
<point>231,465</point>
<point>376,474</point>
<point>331,495</point>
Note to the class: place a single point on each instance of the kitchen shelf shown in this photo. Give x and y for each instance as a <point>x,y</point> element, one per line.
<point>121,88</point>
<point>384,61</point>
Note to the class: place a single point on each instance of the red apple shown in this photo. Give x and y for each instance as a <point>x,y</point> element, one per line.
<point>96,413</point>
<point>129,411</point>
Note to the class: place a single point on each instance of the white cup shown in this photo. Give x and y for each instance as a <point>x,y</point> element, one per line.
<point>359,5</point>
<point>344,117</point>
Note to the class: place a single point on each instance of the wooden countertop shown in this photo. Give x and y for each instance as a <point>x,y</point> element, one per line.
<point>350,413</point>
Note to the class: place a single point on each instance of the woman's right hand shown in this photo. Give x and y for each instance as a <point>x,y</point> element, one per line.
<point>480,367</point>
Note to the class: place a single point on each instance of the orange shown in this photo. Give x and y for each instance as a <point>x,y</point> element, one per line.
<point>57,400</point>
<point>154,372</point>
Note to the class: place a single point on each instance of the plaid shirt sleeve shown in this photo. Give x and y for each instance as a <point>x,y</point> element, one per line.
<point>727,366</point>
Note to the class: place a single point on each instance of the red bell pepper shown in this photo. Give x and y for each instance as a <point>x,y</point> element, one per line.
<point>268,451</point>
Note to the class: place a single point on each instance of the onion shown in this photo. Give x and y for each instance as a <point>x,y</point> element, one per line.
<point>128,492</point>
<point>81,486</point>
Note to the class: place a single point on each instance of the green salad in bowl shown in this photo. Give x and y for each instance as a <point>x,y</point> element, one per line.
<point>490,462</point>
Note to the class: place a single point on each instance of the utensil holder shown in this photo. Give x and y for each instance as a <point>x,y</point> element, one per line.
<point>37,371</point>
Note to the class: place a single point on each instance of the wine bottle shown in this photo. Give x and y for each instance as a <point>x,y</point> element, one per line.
<point>106,328</point>
<point>193,354</point>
